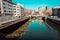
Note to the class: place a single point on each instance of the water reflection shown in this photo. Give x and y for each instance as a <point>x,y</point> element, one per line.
<point>38,30</point>
<point>41,22</point>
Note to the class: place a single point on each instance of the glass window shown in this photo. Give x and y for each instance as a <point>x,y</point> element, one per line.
<point>4,10</point>
<point>3,3</point>
<point>4,7</point>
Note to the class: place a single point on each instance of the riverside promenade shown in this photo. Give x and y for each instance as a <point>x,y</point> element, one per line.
<point>6,21</point>
<point>54,22</point>
<point>12,29</point>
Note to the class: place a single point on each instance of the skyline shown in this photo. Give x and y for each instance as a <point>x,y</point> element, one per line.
<point>29,4</point>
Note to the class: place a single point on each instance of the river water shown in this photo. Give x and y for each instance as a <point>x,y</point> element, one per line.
<point>40,31</point>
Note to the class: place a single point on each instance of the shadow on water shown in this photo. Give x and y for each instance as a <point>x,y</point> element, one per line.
<point>40,32</point>
<point>11,29</point>
<point>55,27</point>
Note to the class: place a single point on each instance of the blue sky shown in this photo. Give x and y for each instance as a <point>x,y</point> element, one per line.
<point>34,4</point>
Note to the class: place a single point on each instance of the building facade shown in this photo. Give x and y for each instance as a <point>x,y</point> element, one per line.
<point>40,11</point>
<point>22,10</point>
<point>9,0</point>
<point>0,8</point>
<point>27,12</point>
<point>56,11</point>
<point>58,14</point>
<point>47,11</point>
<point>33,12</point>
<point>18,10</point>
<point>6,7</point>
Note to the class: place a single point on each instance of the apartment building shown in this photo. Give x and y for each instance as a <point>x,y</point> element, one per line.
<point>58,14</point>
<point>40,11</point>
<point>0,8</point>
<point>18,10</point>
<point>9,0</point>
<point>56,11</point>
<point>6,7</point>
<point>33,12</point>
<point>22,10</point>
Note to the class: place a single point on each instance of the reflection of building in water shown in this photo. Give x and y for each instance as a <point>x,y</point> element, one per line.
<point>33,21</point>
<point>41,22</point>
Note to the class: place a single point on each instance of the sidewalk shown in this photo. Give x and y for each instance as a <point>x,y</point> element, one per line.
<point>11,21</point>
<point>4,19</point>
<point>54,18</point>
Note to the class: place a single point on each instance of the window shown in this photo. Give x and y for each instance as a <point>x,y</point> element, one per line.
<point>8,5</point>
<point>11,8</point>
<point>4,7</point>
<point>8,8</point>
<point>14,11</point>
<point>9,11</point>
<point>17,12</point>
<point>14,6</point>
<point>4,10</point>
<point>3,0</point>
<point>3,3</point>
<point>17,9</point>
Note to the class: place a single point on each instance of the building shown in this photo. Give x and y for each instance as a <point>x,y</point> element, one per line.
<point>0,8</point>
<point>27,12</point>
<point>22,10</point>
<point>40,11</point>
<point>56,11</point>
<point>6,7</point>
<point>33,12</point>
<point>58,14</point>
<point>10,8</point>
<point>36,13</point>
<point>47,11</point>
<point>18,10</point>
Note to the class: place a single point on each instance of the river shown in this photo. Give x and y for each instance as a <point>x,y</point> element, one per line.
<point>40,31</point>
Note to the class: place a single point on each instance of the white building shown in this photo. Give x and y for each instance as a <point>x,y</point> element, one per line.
<point>33,12</point>
<point>6,7</point>
<point>40,11</point>
<point>18,10</point>
<point>10,8</point>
